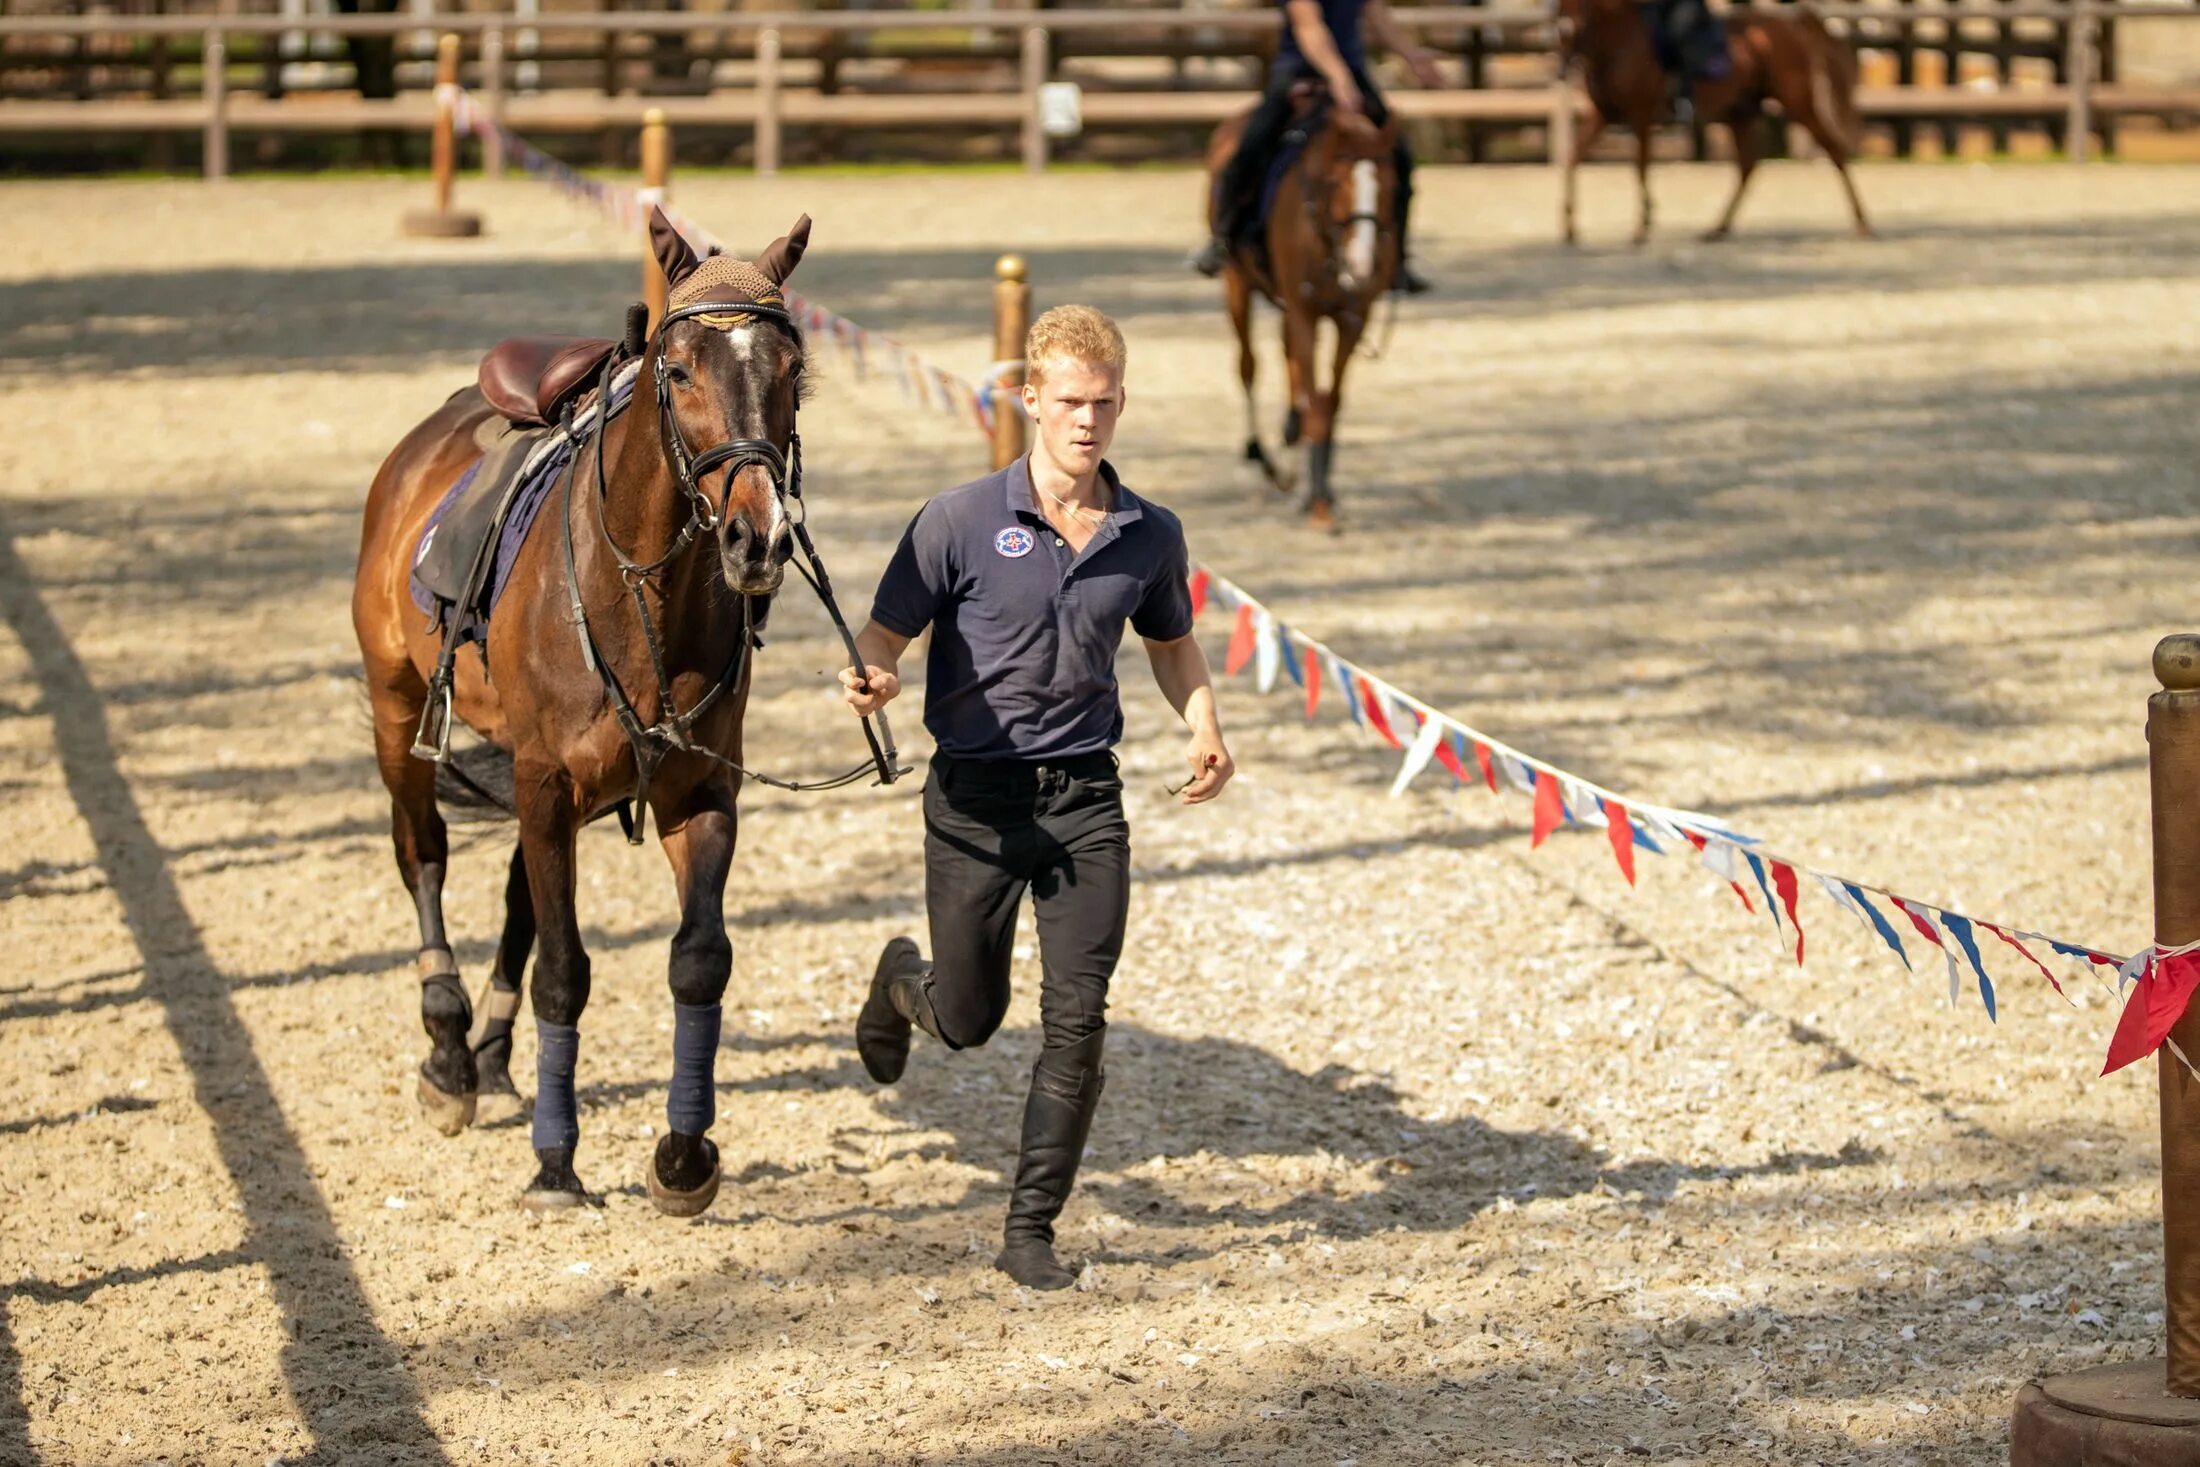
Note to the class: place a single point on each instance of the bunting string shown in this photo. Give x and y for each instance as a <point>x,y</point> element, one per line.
<point>1423,735</point>
<point>867,353</point>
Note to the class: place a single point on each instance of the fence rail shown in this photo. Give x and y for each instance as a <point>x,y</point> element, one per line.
<point>2083,97</point>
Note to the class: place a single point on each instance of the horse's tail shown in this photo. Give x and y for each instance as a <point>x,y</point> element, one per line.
<point>1832,79</point>
<point>475,784</point>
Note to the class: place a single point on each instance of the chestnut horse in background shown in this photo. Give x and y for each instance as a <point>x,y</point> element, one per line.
<point>627,614</point>
<point>1327,251</point>
<point>1788,59</point>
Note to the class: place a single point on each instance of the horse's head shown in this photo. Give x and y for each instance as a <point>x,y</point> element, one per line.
<point>1356,194</point>
<point>727,366</point>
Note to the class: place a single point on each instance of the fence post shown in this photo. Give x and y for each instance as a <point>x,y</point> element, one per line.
<point>767,101</point>
<point>1034,77</point>
<point>492,87</point>
<point>2173,743</point>
<point>1011,323</point>
<point>2146,1413</point>
<point>1562,122</point>
<point>656,182</point>
<point>214,62</point>
<point>442,221</point>
<point>2078,130</point>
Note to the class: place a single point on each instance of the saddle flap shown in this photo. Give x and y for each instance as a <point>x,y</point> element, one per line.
<point>527,379</point>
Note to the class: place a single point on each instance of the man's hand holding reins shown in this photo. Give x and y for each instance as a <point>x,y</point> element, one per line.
<point>879,683</point>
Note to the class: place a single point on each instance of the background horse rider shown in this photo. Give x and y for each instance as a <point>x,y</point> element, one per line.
<point>1322,40</point>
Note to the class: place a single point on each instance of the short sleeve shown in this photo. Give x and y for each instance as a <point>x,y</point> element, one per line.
<point>1165,612</point>
<point>918,578</point>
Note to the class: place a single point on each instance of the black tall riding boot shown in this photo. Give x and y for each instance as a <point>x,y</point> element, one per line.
<point>900,998</point>
<point>1065,1091</point>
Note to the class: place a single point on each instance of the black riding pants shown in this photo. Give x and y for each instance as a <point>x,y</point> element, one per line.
<point>994,829</point>
<point>1238,191</point>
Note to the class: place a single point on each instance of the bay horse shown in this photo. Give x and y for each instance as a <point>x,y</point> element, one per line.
<point>616,668</point>
<point>1327,251</point>
<point>1788,59</point>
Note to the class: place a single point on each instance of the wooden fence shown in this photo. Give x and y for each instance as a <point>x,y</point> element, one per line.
<point>168,74</point>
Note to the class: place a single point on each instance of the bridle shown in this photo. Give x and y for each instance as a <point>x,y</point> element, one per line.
<point>673,731</point>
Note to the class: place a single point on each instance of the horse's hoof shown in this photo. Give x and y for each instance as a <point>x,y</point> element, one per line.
<point>1714,236</point>
<point>492,1107</point>
<point>1322,516</point>
<point>448,1113</point>
<point>554,1199</point>
<point>675,1202</point>
<point>557,1187</point>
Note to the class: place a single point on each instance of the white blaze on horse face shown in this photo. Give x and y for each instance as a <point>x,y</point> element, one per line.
<point>1359,249</point>
<point>740,339</point>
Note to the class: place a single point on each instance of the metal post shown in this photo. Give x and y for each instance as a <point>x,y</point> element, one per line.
<point>214,61</point>
<point>656,182</point>
<point>1562,122</point>
<point>442,221</point>
<point>1011,323</point>
<point>2078,130</point>
<point>767,101</point>
<point>1034,77</point>
<point>2173,742</point>
<point>492,87</point>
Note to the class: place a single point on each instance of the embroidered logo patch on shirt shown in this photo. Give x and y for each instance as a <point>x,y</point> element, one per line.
<point>1014,543</point>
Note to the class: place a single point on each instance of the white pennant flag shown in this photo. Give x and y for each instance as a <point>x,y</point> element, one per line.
<point>1583,805</point>
<point>1419,752</point>
<point>1718,859</point>
<point>1947,948</point>
<point>1838,894</point>
<point>1267,655</point>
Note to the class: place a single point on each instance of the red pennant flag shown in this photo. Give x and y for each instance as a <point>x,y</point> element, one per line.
<point>2153,1009</point>
<point>2028,957</point>
<point>1376,716</point>
<point>1315,677</point>
<point>1489,770</point>
<point>1199,591</point>
<point>1622,832</point>
<point>1241,642</point>
<point>1550,808</point>
<point>1448,756</point>
<point>1783,882</point>
<point>1931,934</point>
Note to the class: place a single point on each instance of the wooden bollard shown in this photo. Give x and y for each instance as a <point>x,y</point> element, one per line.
<point>656,183</point>
<point>2146,1413</point>
<point>442,221</point>
<point>1011,323</point>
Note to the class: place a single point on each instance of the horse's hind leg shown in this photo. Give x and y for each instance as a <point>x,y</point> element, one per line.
<point>547,827</point>
<point>1237,295</point>
<point>1744,128</point>
<point>491,1037</point>
<point>1836,150</point>
<point>447,1078</point>
<point>1645,131</point>
<point>1584,139</point>
<point>698,837</point>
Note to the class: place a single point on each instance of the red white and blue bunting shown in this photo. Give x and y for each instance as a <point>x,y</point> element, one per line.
<point>1912,929</point>
<point>868,353</point>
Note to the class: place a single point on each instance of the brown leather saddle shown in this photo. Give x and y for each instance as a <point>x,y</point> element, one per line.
<point>529,380</point>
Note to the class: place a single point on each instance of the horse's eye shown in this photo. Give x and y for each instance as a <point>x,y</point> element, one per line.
<point>678,375</point>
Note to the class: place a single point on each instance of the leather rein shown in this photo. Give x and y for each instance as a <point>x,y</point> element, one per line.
<point>673,731</point>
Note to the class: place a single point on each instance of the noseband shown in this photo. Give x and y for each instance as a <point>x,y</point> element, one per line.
<point>652,743</point>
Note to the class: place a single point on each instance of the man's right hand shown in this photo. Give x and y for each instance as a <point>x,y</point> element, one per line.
<point>869,691</point>
<point>1344,92</point>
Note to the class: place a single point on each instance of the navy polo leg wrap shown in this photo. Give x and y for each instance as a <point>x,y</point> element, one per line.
<point>557,1056</point>
<point>692,1104</point>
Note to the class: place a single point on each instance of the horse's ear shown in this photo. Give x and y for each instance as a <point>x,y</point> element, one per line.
<point>672,252</point>
<point>784,253</point>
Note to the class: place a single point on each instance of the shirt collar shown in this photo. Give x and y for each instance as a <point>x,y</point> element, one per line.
<point>1023,499</point>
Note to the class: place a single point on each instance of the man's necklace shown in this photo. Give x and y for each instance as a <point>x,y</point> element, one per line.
<point>1071,508</point>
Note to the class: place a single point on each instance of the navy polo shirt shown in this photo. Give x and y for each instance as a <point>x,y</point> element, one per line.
<point>1343,19</point>
<point>1024,632</point>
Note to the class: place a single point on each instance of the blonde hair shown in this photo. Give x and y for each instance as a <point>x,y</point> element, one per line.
<point>1073,333</point>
